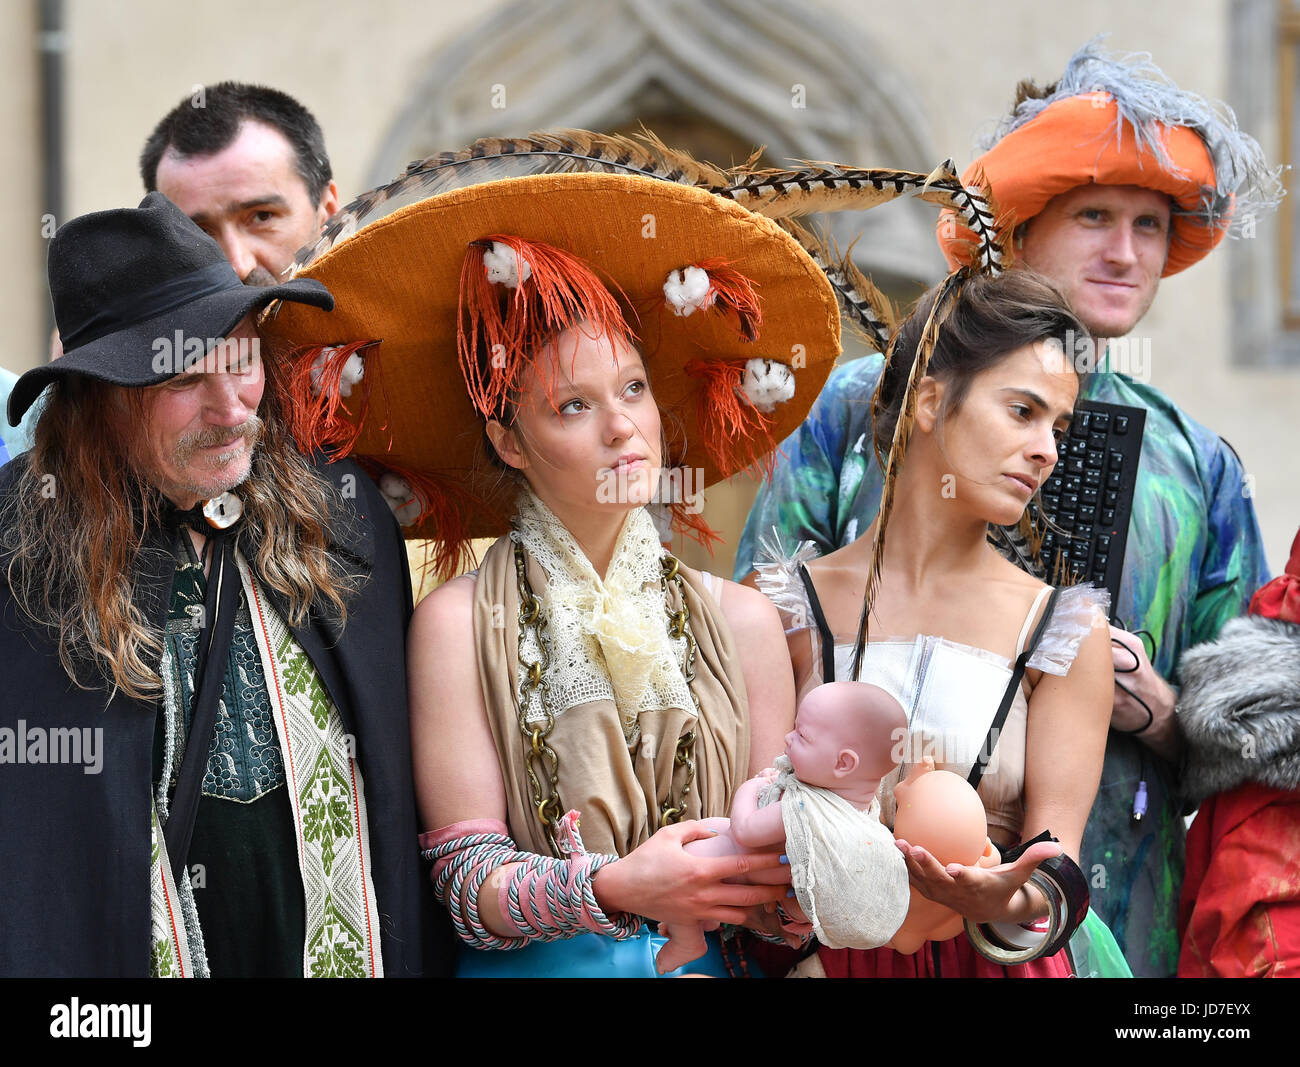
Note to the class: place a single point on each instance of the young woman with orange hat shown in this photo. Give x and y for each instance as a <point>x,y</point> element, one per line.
<point>619,338</point>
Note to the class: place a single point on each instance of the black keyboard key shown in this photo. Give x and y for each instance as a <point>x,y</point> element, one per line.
<point>1087,514</point>
<point>1103,543</point>
<point>1069,503</point>
<point>1088,496</point>
<point>1101,421</point>
<point>1112,480</point>
<point>1082,421</point>
<point>1078,447</point>
<point>1074,465</point>
<point>1116,460</point>
<point>1080,551</point>
<point>1053,501</point>
<point>1096,440</point>
<point>1082,527</point>
<point>1072,484</point>
<point>1108,517</point>
<point>1121,425</point>
<point>1095,457</point>
<point>1099,562</point>
<point>1092,478</point>
<point>1065,520</point>
<point>1112,499</point>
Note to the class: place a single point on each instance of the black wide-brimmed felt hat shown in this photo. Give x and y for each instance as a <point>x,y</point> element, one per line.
<point>127,283</point>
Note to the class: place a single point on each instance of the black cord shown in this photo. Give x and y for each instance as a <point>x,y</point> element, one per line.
<point>1140,796</point>
<point>1130,670</point>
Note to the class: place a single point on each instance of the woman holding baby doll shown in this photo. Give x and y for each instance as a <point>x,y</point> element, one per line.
<point>580,669</point>
<point>983,657</point>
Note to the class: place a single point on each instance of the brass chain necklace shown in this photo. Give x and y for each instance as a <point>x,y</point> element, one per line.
<point>541,761</point>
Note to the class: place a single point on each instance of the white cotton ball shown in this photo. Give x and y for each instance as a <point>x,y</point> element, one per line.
<point>318,368</point>
<point>400,497</point>
<point>505,267</point>
<point>353,371</point>
<point>767,383</point>
<point>687,290</point>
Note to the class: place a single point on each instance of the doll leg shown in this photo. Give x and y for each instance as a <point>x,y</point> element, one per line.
<point>685,943</point>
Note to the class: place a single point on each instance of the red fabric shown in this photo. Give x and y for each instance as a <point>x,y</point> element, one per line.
<point>957,959</point>
<point>1072,143</point>
<point>1240,911</point>
<point>1280,598</point>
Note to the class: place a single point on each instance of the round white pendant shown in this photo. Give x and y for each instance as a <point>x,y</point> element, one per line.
<point>223,511</point>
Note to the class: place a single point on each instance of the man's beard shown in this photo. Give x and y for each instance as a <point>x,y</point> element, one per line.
<point>250,433</point>
<point>261,277</point>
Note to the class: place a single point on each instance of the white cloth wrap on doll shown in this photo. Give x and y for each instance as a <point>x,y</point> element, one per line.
<point>848,875</point>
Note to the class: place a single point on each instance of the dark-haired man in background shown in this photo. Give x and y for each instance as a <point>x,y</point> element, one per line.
<point>248,165</point>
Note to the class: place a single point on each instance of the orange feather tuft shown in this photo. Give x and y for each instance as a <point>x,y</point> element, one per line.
<point>444,501</point>
<point>514,324</point>
<point>733,293</point>
<point>318,415</point>
<point>736,434</point>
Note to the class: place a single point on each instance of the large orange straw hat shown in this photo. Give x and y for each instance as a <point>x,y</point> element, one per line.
<point>1120,121</point>
<point>737,319</point>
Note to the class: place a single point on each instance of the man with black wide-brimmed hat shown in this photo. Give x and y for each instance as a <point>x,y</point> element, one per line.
<point>204,757</point>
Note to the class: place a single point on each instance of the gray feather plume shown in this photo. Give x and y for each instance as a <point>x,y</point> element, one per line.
<point>1146,100</point>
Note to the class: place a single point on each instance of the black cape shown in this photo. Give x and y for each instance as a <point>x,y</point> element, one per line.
<point>74,846</point>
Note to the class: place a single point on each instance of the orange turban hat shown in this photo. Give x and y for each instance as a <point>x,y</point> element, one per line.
<point>1119,121</point>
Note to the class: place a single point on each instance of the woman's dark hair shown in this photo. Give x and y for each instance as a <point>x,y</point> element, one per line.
<point>992,317</point>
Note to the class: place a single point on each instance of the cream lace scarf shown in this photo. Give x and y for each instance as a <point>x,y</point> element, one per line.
<point>607,640</point>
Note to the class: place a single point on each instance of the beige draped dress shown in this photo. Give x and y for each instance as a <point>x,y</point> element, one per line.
<point>616,787</point>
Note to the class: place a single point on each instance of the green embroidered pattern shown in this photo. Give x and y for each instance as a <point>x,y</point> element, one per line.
<point>334,950</point>
<point>163,919</point>
<point>342,918</point>
<point>326,811</point>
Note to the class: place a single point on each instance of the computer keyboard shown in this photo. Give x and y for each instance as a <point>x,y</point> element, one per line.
<point>1089,496</point>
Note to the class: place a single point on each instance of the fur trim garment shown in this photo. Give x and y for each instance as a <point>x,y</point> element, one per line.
<point>1239,708</point>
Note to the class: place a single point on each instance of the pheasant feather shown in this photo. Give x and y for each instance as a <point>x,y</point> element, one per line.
<point>940,310</point>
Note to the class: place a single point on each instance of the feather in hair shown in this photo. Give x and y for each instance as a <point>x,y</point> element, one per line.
<point>943,304</point>
<point>1021,544</point>
<point>811,187</point>
<point>976,210</point>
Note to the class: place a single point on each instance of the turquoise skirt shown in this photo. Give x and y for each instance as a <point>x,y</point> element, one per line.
<point>586,956</point>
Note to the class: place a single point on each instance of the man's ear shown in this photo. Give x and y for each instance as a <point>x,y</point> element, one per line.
<point>329,203</point>
<point>506,443</point>
<point>929,403</point>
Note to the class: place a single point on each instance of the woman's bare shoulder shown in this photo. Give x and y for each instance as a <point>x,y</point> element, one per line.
<point>745,607</point>
<point>850,559</point>
<point>448,607</point>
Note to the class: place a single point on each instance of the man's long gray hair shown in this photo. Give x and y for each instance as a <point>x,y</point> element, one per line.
<point>74,523</point>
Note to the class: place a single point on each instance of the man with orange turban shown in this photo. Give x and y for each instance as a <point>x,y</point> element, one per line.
<point>1113,178</point>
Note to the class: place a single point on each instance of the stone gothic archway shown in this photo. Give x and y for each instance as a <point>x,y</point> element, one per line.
<point>716,78</point>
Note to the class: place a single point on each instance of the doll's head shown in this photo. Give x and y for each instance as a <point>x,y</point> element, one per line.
<point>844,737</point>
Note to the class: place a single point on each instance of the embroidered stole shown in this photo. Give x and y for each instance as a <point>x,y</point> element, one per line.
<point>327,796</point>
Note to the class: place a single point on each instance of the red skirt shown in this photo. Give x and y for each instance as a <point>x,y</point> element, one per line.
<point>955,958</point>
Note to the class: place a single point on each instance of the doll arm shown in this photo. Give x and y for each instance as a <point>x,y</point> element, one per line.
<point>752,826</point>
